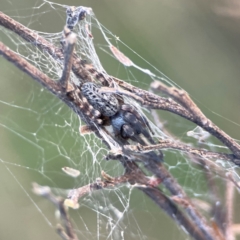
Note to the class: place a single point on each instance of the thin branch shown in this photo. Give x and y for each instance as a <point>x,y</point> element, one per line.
<point>168,206</point>
<point>199,152</point>
<point>167,180</point>
<point>160,171</point>
<point>136,178</point>
<point>80,70</point>
<point>201,228</point>
<point>217,211</point>
<point>45,192</point>
<point>70,38</point>
<point>148,99</point>
<point>229,210</point>
<point>75,194</point>
<point>32,71</point>
<point>87,71</point>
<point>181,97</point>
<point>199,118</point>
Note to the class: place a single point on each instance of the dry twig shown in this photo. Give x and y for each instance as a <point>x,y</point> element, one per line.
<point>68,233</point>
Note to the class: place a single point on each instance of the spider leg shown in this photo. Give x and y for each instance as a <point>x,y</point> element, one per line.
<point>138,126</point>
<point>70,38</point>
<point>122,128</point>
<point>131,109</point>
<point>127,131</point>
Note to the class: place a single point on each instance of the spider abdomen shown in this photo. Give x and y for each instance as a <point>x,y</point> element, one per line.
<point>106,103</point>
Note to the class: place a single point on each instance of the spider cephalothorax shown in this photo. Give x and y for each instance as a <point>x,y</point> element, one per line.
<point>125,119</point>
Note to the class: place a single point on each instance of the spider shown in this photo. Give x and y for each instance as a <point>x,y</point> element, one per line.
<point>124,118</point>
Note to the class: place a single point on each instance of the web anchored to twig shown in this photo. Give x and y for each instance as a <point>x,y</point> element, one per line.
<point>104,102</point>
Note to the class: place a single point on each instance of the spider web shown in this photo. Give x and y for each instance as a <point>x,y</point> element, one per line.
<point>40,136</point>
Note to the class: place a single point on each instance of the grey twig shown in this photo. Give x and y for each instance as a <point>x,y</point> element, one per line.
<point>88,72</point>
<point>67,233</point>
<point>135,176</point>
<point>168,181</point>
<point>199,118</point>
<point>68,59</point>
<point>199,152</point>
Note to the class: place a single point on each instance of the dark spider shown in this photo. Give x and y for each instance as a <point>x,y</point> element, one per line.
<point>125,119</point>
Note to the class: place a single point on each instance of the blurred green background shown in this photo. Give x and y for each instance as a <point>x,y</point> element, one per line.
<point>195,43</point>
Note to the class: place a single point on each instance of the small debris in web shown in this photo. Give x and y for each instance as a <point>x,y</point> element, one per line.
<point>71,171</point>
